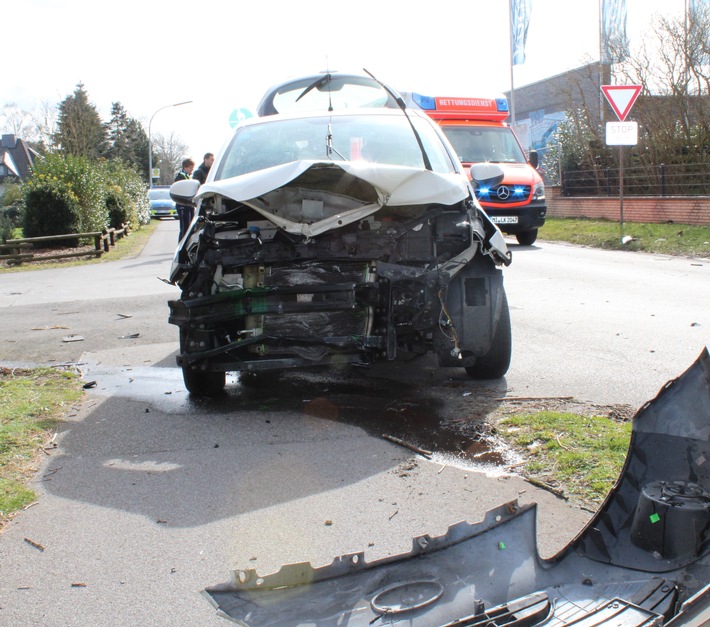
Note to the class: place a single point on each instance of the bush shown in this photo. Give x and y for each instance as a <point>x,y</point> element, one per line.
<point>118,205</point>
<point>12,195</point>
<point>68,194</point>
<point>51,208</point>
<point>10,211</point>
<point>126,198</point>
<point>64,195</point>
<point>7,227</point>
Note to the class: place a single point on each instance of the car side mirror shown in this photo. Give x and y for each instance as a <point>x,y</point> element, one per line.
<point>487,174</point>
<point>183,192</point>
<point>533,159</point>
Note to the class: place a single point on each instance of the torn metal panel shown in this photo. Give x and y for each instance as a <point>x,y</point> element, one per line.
<point>618,571</point>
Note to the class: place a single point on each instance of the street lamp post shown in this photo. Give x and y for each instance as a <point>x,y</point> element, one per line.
<point>150,139</point>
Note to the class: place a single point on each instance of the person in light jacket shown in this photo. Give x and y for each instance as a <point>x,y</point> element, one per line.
<point>185,212</point>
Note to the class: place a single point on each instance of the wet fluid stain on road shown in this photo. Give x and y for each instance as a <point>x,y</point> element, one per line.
<point>446,418</point>
<point>447,414</point>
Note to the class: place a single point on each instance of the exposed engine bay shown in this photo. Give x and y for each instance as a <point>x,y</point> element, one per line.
<point>317,263</point>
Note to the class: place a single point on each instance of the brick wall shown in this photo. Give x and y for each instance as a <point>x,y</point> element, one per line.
<point>694,210</point>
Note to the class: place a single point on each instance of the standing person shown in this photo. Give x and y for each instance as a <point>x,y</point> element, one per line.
<point>185,212</point>
<point>204,169</point>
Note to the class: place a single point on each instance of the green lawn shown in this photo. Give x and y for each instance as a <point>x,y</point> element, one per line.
<point>577,456</point>
<point>668,239</point>
<point>33,402</point>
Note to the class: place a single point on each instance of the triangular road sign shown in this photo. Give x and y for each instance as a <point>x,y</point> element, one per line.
<point>621,98</point>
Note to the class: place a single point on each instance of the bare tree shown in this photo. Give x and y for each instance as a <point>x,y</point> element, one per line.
<point>45,117</point>
<point>672,65</point>
<point>16,121</point>
<point>36,127</point>
<point>168,151</point>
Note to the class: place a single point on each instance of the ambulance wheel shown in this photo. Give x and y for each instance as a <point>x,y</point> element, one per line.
<point>527,238</point>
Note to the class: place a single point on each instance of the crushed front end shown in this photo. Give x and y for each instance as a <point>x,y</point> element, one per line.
<point>320,263</point>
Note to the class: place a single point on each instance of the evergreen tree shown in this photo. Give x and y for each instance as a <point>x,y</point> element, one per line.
<point>138,144</point>
<point>127,139</point>
<point>80,132</point>
<point>116,131</point>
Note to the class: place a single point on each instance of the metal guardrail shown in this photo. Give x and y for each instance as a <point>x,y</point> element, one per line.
<point>688,179</point>
<point>18,251</point>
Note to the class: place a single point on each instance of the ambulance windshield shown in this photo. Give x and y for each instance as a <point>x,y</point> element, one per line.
<point>477,144</point>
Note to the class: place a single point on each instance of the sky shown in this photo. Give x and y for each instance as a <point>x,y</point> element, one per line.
<point>223,54</point>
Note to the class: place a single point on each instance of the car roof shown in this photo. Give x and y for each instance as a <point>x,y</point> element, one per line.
<point>334,88</point>
<point>311,115</point>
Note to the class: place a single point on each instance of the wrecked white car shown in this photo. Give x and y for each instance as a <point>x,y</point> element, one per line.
<point>337,238</point>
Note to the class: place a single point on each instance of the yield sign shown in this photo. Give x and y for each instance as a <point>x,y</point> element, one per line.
<point>621,98</point>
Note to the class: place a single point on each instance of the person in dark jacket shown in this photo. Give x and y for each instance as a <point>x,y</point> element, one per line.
<point>204,169</point>
<point>185,212</point>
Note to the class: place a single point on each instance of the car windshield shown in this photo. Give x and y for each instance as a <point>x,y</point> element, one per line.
<point>476,144</point>
<point>159,194</point>
<point>377,138</point>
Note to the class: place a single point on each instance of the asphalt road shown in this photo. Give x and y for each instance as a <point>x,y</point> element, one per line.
<point>604,326</point>
<point>152,496</point>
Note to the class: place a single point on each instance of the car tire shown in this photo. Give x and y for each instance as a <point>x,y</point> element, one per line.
<point>527,238</point>
<point>203,382</point>
<point>495,363</point>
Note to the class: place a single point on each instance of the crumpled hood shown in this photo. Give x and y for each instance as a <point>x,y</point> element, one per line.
<point>349,191</point>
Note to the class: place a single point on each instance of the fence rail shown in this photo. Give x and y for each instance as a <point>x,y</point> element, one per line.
<point>691,179</point>
<point>18,251</point>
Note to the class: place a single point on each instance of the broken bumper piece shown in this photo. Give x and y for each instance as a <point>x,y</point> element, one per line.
<point>642,560</point>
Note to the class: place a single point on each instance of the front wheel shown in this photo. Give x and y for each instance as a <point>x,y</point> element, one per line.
<point>202,382</point>
<point>527,238</point>
<point>495,363</point>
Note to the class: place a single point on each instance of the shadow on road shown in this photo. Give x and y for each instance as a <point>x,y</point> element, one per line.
<point>151,449</point>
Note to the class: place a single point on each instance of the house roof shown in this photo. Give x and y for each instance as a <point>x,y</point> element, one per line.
<point>7,161</point>
<point>16,156</point>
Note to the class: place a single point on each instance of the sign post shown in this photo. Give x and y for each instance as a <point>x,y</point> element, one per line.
<point>621,133</point>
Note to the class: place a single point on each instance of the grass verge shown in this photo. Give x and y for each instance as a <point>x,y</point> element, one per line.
<point>579,457</point>
<point>125,247</point>
<point>669,239</point>
<point>33,403</point>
